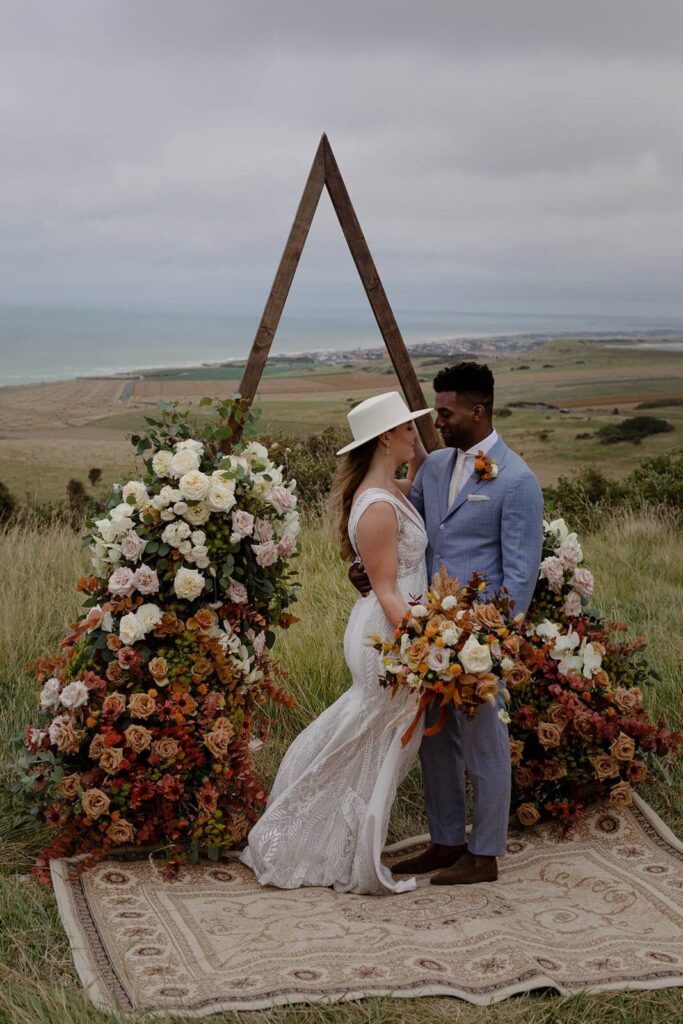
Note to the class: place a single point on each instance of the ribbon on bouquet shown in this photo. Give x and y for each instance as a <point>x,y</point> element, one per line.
<point>425,700</point>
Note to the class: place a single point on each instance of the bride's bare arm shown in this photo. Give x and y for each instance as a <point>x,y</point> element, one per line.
<point>413,466</point>
<point>377,537</point>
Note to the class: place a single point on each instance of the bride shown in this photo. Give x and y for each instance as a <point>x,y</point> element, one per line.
<point>328,813</point>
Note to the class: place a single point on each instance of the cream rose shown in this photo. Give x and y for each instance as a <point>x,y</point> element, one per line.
<point>149,616</point>
<point>184,461</point>
<point>475,657</point>
<point>130,629</point>
<point>95,803</point>
<point>135,489</point>
<point>194,485</point>
<point>198,514</point>
<point>161,463</point>
<point>438,659</point>
<point>188,584</point>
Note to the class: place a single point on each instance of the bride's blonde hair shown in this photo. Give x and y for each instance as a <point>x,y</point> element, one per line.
<point>352,469</point>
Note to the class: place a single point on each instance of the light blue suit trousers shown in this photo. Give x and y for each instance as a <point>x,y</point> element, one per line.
<point>494,527</point>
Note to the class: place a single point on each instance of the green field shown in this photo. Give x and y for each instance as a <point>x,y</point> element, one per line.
<point>638,564</point>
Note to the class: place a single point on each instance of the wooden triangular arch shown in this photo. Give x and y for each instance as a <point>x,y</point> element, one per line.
<point>325,171</point>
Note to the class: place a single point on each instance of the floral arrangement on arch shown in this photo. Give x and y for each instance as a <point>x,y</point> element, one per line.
<point>147,728</point>
<point>579,729</point>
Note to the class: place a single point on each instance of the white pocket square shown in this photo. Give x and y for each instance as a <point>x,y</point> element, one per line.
<point>478,497</point>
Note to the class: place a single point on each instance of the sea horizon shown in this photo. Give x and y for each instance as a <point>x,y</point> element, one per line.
<point>42,344</point>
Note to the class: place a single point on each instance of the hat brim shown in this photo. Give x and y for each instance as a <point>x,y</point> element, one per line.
<point>387,426</point>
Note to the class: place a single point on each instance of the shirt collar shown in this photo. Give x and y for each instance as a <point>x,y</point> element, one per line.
<point>484,446</point>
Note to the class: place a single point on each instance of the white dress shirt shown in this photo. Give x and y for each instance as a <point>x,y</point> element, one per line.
<point>464,465</point>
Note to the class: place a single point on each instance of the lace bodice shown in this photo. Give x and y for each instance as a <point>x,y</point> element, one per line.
<point>412,536</point>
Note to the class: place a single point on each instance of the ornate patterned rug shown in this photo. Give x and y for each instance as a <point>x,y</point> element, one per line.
<point>601,910</point>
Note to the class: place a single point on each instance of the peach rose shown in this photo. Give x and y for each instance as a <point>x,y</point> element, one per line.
<point>115,704</point>
<point>558,715</point>
<point>528,814</point>
<point>487,688</point>
<point>620,795</point>
<point>121,831</point>
<point>218,741</point>
<point>111,759</point>
<point>138,738</point>
<point>114,643</point>
<point>418,651</point>
<point>65,737</point>
<point>165,748</point>
<point>524,778</point>
<point>623,747</point>
<point>627,700</point>
<point>553,770</point>
<point>516,751</point>
<point>583,723</point>
<point>141,705</point>
<point>95,803</point>
<point>68,786</point>
<point>158,668</point>
<point>548,734</point>
<point>488,616</point>
<point>605,767</point>
<point>518,675</point>
<point>511,644</point>
<point>114,672</point>
<point>96,748</point>
<point>206,618</point>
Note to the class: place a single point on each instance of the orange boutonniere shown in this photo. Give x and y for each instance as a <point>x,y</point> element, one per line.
<point>485,468</point>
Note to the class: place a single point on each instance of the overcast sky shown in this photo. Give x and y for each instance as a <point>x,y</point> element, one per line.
<point>501,156</point>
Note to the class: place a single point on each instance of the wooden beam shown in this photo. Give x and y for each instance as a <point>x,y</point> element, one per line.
<point>283,278</point>
<point>379,302</point>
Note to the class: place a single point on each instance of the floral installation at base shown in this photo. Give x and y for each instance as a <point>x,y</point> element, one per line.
<point>448,650</point>
<point>578,728</point>
<point>149,719</point>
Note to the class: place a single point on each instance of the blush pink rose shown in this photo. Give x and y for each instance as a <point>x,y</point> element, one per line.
<point>287,545</point>
<point>242,524</point>
<point>572,604</point>
<point>263,531</point>
<point>552,570</point>
<point>582,581</point>
<point>132,547</point>
<point>146,580</point>
<point>121,582</point>
<point>266,554</point>
<point>281,499</point>
<point>237,592</point>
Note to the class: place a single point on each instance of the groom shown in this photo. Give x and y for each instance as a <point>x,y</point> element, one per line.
<point>493,527</point>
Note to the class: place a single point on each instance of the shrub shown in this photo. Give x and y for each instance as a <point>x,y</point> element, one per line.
<point>8,504</point>
<point>633,429</point>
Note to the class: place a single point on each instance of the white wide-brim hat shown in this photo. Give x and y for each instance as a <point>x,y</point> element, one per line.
<point>375,415</point>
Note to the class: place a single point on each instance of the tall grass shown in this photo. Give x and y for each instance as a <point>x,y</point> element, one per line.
<point>638,563</point>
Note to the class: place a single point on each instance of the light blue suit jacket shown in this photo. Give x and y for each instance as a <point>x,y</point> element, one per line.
<point>494,527</point>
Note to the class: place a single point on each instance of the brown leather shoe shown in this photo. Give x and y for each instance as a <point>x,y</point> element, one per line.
<point>433,858</point>
<point>469,870</point>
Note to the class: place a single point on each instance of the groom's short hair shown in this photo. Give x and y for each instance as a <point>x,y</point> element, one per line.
<point>473,380</point>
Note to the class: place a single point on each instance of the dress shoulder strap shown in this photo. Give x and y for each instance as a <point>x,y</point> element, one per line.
<point>362,503</point>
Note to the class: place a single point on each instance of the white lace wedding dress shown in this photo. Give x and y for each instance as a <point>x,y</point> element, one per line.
<point>328,813</point>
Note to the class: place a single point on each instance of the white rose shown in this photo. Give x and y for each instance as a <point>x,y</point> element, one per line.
<point>559,528</point>
<point>221,497</point>
<point>135,489</point>
<point>449,602</point>
<point>418,611</point>
<point>292,523</point>
<point>167,515</point>
<point>106,530</point>
<point>130,629</point>
<point>74,695</point>
<point>180,508</point>
<point>194,485</point>
<point>184,461</point>
<point>132,547</point>
<point>256,452</point>
<point>475,657</point>
<point>198,514</point>
<point>149,616</point>
<point>192,445</point>
<point>49,695</point>
<point>203,562</point>
<point>506,664</point>
<point>198,537</point>
<point>188,584</point>
<point>438,659</point>
<point>161,463</point>
<point>175,533</point>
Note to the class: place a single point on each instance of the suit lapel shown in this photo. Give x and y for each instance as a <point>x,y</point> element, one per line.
<point>497,454</point>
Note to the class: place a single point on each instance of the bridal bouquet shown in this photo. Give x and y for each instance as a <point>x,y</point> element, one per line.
<point>449,650</point>
<point>146,729</point>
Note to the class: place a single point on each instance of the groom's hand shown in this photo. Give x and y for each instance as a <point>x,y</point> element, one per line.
<point>359,578</point>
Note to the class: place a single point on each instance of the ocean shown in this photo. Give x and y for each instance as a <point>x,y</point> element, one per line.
<point>55,343</point>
